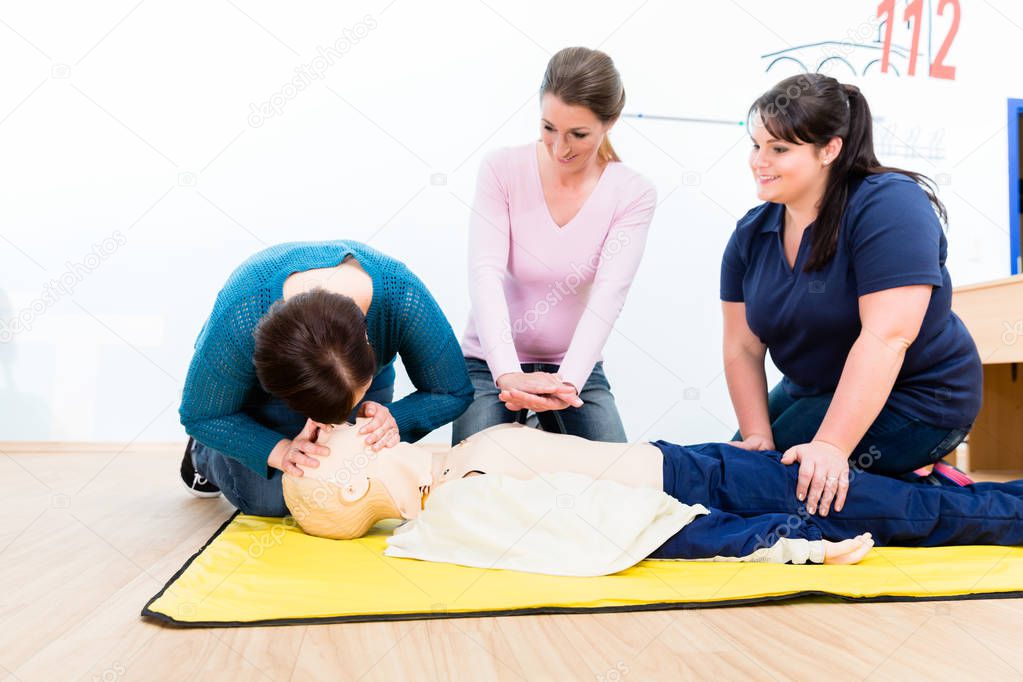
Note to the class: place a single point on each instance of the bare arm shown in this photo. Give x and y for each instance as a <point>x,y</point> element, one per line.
<point>744,355</point>
<point>891,320</point>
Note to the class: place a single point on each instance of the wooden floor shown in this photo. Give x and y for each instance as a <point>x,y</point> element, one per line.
<point>94,531</point>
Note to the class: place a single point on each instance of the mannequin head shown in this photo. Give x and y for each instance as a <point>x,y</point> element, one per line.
<point>327,510</point>
<point>355,487</point>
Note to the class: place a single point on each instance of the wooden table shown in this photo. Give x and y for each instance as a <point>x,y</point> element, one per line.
<point>993,312</point>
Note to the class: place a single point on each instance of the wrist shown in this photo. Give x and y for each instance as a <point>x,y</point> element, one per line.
<point>764,433</point>
<point>832,445</point>
<point>276,457</point>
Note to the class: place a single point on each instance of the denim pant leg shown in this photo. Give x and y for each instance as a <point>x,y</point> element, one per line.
<point>250,492</point>
<point>899,449</point>
<point>597,419</point>
<point>894,445</point>
<point>778,400</point>
<point>486,409</point>
<point>799,420</point>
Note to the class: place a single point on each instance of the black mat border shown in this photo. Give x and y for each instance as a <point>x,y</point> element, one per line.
<point>537,611</point>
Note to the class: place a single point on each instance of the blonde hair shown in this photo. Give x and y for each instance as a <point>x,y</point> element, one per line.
<point>319,509</point>
<point>585,77</point>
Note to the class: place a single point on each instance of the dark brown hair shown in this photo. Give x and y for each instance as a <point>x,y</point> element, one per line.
<point>812,108</point>
<point>579,76</point>
<point>312,353</point>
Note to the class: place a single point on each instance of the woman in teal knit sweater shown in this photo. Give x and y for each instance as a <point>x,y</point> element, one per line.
<point>304,335</point>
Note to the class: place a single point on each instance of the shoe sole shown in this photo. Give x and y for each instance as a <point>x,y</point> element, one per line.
<point>952,474</point>
<point>199,493</point>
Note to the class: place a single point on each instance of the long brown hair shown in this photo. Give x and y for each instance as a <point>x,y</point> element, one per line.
<point>311,352</point>
<point>812,108</point>
<point>580,76</point>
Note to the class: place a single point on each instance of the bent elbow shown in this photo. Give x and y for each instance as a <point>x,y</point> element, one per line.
<point>465,395</point>
<point>897,343</point>
<point>901,342</point>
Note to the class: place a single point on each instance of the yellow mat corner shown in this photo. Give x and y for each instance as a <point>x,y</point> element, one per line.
<point>265,571</point>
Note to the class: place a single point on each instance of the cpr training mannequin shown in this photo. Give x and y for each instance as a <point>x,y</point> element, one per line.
<point>353,488</point>
<point>750,494</point>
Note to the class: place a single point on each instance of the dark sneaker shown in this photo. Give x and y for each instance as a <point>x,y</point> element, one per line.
<point>196,483</point>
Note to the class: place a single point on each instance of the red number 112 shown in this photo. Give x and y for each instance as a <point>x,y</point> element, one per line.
<point>914,14</point>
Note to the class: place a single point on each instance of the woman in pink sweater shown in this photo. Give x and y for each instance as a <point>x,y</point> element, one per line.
<point>557,232</point>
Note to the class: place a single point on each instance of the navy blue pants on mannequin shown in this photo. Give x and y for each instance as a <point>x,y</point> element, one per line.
<point>752,498</point>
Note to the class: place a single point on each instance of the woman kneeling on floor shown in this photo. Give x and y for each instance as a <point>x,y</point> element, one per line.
<point>303,335</point>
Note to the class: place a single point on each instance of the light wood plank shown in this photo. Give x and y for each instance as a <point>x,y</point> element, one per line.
<point>997,331</point>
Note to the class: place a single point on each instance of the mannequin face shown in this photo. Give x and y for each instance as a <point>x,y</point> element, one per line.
<point>403,470</point>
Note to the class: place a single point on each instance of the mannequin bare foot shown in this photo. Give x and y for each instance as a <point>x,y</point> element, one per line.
<point>848,551</point>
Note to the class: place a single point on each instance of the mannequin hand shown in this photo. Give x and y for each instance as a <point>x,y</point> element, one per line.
<point>302,450</point>
<point>823,475</point>
<point>754,441</point>
<point>382,428</point>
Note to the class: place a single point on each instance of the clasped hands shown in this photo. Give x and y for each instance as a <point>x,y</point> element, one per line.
<point>537,391</point>
<point>823,471</point>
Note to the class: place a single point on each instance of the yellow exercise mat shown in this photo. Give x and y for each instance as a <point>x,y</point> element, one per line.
<point>265,571</point>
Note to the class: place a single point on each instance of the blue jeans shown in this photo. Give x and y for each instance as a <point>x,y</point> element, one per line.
<point>894,445</point>
<point>597,419</point>
<point>253,493</point>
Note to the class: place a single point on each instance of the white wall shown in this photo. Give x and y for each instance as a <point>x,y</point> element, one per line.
<point>133,123</point>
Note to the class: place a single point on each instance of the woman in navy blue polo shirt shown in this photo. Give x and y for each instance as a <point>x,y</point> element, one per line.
<point>841,276</point>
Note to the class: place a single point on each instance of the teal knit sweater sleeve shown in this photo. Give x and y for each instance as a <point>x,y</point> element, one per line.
<point>423,338</point>
<point>221,378</point>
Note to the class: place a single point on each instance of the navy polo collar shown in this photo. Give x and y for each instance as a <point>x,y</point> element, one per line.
<point>772,219</point>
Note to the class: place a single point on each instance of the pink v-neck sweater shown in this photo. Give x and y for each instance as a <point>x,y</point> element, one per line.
<point>544,293</point>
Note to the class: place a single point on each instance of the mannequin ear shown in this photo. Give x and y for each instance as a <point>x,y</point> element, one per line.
<point>355,489</point>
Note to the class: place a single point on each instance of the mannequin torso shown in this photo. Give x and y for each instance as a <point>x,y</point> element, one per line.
<point>521,452</point>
